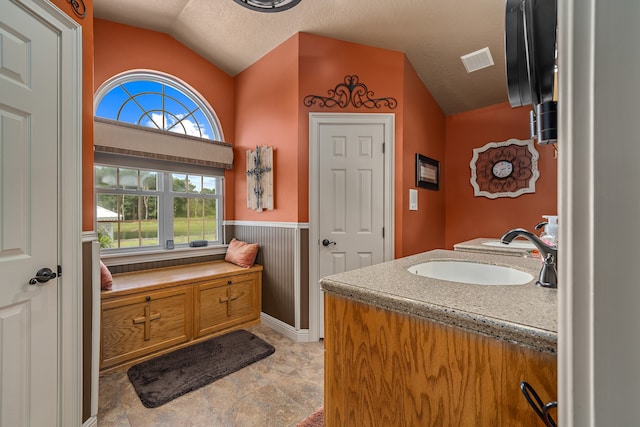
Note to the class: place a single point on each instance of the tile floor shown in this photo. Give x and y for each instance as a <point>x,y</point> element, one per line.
<point>279,391</point>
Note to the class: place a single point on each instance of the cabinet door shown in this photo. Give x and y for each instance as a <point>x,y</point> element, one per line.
<point>385,368</point>
<point>221,304</point>
<point>135,326</point>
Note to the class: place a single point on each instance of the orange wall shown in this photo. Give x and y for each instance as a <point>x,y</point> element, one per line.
<point>270,111</point>
<point>267,114</point>
<point>120,48</point>
<point>87,108</point>
<point>424,133</point>
<point>263,105</point>
<point>468,217</point>
<point>324,63</point>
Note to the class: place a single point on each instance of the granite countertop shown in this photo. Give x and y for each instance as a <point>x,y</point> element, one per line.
<point>496,247</point>
<point>522,314</point>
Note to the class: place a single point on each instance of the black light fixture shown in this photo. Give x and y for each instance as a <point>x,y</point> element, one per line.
<point>531,58</point>
<point>268,5</point>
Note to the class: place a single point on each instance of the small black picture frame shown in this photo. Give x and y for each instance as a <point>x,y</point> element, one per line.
<point>427,172</point>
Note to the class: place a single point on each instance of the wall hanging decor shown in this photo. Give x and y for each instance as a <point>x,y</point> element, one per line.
<point>260,178</point>
<point>504,169</point>
<point>351,91</point>
<point>78,7</point>
<point>427,172</point>
<point>268,5</point>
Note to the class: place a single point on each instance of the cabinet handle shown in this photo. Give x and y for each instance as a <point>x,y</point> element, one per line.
<point>230,297</point>
<point>147,298</point>
<point>146,320</point>
<point>227,299</point>
<point>229,282</point>
<point>540,408</point>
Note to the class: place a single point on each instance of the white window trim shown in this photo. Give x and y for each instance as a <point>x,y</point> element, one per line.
<point>119,258</point>
<point>163,193</point>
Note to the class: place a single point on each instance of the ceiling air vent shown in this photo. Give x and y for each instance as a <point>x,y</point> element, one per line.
<point>477,60</point>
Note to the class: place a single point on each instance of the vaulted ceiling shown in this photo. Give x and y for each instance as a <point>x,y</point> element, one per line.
<point>434,34</point>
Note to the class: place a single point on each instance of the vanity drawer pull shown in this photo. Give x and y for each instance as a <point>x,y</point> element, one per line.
<point>540,408</point>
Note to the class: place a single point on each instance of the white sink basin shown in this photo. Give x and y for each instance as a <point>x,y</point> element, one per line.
<point>473,273</point>
<point>513,245</point>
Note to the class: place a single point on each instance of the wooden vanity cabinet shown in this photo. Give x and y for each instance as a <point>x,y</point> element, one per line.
<point>151,312</point>
<point>383,368</point>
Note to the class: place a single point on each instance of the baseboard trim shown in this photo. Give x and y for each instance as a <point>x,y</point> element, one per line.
<point>91,422</point>
<point>297,335</point>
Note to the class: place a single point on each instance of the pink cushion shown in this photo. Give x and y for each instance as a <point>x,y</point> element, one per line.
<point>106,280</point>
<point>241,253</point>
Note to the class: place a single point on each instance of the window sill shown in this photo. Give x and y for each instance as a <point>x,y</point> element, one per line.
<point>160,255</point>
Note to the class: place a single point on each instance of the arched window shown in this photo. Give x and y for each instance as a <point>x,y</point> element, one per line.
<point>159,164</point>
<point>158,102</point>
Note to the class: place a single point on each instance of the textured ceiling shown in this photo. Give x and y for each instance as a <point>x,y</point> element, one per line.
<point>432,33</point>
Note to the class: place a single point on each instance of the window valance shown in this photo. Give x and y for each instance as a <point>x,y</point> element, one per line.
<point>131,140</point>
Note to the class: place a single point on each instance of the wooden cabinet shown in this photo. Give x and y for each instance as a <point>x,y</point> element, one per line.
<point>223,303</point>
<point>139,325</point>
<point>387,369</point>
<point>151,312</point>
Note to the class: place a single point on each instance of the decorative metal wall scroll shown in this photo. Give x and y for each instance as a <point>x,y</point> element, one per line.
<point>350,92</point>
<point>78,7</point>
<point>260,178</point>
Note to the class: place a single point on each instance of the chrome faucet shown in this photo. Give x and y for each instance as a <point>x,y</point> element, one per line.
<point>548,277</point>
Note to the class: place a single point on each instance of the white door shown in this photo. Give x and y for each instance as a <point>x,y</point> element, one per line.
<point>354,204</point>
<point>29,81</point>
<point>351,196</point>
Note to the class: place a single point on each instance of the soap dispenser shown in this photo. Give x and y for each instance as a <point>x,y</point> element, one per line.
<point>550,233</point>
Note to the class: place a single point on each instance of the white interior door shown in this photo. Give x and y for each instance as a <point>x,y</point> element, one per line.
<point>351,213</point>
<point>351,196</point>
<point>29,133</point>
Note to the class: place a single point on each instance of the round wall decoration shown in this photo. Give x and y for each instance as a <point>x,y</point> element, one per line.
<point>504,169</point>
<point>268,5</point>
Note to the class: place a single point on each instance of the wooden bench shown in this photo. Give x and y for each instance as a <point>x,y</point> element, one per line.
<point>151,312</point>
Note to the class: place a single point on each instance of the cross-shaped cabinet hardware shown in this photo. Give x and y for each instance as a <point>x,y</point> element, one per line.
<point>147,319</point>
<point>231,296</point>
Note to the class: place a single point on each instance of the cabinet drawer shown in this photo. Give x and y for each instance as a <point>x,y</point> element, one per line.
<point>145,323</point>
<point>220,304</point>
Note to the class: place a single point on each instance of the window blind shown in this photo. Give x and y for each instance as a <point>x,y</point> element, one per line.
<point>122,139</point>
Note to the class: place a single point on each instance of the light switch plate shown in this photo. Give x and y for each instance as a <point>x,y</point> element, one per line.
<point>413,199</point>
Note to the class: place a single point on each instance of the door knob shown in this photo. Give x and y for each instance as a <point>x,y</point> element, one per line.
<point>43,275</point>
<point>326,242</point>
